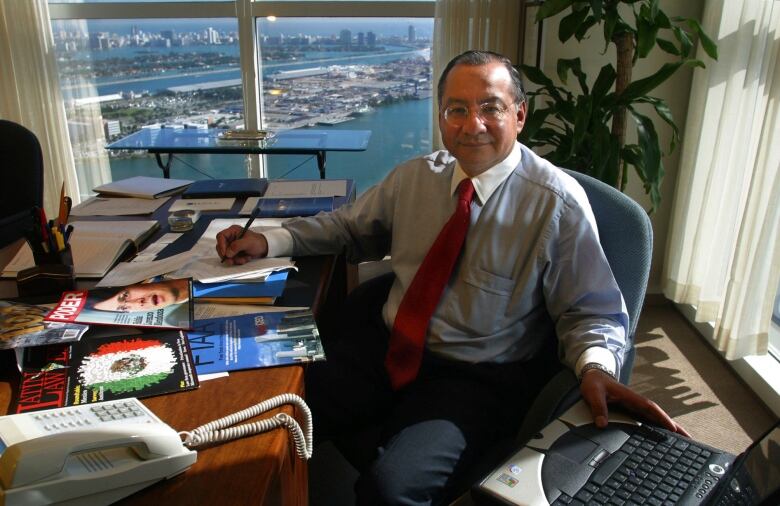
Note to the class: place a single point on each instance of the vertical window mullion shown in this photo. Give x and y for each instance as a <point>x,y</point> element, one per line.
<point>250,77</point>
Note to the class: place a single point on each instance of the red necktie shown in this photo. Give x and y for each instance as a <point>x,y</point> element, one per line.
<point>407,340</point>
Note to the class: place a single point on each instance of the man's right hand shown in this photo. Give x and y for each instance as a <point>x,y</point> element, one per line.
<point>234,251</point>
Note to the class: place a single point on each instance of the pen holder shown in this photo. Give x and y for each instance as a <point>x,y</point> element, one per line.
<point>52,274</point>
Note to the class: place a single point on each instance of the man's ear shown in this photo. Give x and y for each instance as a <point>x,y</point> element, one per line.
<point>522,108</point>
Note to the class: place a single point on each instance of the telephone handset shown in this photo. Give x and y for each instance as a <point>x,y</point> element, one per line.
<point>101,452</point>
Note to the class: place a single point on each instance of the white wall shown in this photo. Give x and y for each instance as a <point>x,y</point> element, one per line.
<point>675,91</point>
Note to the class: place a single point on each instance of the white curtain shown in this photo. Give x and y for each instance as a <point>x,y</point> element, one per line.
<point>723,253</point>
<point>30,93</point>
<point>461,25</point>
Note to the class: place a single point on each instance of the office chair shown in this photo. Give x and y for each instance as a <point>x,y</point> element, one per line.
<point>626,237</point>
<point>22,186</point>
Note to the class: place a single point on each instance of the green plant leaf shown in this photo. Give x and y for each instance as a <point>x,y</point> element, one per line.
<point>535,75</point>
<point>653,9</point>
<point>612,166</point>
<point>551,8</point>
<point>565,65</point>
<point>569,24</point>
<point>610,21</point>
<point>534,121</point>
<point>646,34</point>
<point>706,43</point>
<point>598,9</point>
<point>662,20</point>
<point>604,82</point>
<point>665,113</point>
<point>646,85</point>
<point>586,25</point>
<point>668,46</point>
<point>582,116</point>
<point>600,145</point>
<point>651,155</point>
<point>684,40</point>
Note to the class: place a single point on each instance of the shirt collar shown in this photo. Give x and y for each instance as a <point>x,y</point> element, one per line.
<point>487,182</point>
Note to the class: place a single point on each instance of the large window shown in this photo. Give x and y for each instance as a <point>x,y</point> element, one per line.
<point>346,65</point>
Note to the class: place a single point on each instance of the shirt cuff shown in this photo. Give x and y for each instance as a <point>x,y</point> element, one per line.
<point>598,355</point>
<point>280,242</point>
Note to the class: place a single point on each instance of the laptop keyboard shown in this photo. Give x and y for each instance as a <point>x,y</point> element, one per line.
<point>650,468</point>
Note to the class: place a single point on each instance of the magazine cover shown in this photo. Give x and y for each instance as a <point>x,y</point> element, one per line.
<point>161,304</point>
<point>22,325</point>
<point>255,340</point>
<point>102,369</point>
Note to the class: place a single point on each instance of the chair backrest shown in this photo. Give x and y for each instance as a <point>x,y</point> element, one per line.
<point>22,186</point>
<point>626,237</point>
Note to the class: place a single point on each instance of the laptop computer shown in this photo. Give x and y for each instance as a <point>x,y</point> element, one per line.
<point>214,188</point>
<point>572,462</point>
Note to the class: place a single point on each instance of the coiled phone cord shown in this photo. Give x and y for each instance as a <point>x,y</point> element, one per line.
<point>220,430</point>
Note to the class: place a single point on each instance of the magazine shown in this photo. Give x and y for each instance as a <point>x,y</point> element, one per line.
<point>166,304</point>
<point>22,325</point>
<point>102,369</point>
<point>255,340</point>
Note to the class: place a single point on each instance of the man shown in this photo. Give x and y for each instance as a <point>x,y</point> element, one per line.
<point>530,267</point>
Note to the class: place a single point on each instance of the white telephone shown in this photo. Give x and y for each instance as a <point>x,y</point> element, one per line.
<point>98,453</point>
<point>86,455</point>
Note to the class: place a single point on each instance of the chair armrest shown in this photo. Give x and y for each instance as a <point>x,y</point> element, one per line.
<point>558,395</point>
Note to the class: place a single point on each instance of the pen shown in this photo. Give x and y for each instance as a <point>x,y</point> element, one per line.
<point>252,217</point>
<point>61,216</point>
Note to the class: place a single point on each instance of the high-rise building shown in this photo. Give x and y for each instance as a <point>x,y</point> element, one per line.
<point>168,34</point>
<point>98,41</point>
<point>111,128</point>
<point>361,39</point>
<point>212,36</point>
<point>412,36</point>
<point>371,39</point>
<point>346,38</point>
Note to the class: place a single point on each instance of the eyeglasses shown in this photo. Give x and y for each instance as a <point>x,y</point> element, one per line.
<point>489,113</point>
<point>123,307</point>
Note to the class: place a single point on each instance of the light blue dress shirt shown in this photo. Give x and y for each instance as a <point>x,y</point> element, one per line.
<point>531,266</point>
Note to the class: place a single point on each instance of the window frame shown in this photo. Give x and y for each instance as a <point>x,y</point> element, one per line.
<point>246,13</point>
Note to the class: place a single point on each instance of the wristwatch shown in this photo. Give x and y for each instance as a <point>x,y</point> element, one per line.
<point>595,365</point>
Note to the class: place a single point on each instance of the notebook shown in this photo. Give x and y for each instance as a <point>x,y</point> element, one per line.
<point>143,187</point>
<point>574,463</point>
<point>96,246</point>
<point>210,188</point>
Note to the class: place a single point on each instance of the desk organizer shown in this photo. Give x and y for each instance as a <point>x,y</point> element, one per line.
<point>52,275</point>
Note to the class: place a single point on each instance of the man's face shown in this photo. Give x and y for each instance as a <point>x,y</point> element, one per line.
<point>146,297</point>
<point>476,138</point>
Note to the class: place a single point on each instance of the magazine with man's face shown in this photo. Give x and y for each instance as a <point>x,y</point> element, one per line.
<point>163,304</point>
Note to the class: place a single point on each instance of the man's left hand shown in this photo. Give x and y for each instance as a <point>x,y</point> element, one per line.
<point>599,389</point>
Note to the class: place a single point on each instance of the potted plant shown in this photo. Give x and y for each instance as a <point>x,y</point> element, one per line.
<point>586,128</point>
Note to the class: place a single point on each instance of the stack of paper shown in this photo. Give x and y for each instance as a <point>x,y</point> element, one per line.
<point>143,187</point>
<point>119,206</point>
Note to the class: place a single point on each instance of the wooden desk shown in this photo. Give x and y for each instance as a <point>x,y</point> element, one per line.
<point>261,469</point>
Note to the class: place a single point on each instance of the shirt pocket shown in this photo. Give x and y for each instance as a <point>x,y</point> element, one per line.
<point>483,301</point>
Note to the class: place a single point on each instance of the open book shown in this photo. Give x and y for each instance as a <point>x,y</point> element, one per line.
<point>96,246</point>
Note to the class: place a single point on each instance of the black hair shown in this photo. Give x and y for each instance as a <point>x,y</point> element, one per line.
<point>477,57</point>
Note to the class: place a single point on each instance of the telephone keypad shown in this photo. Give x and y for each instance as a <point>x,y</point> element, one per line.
<point>84,417</point>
